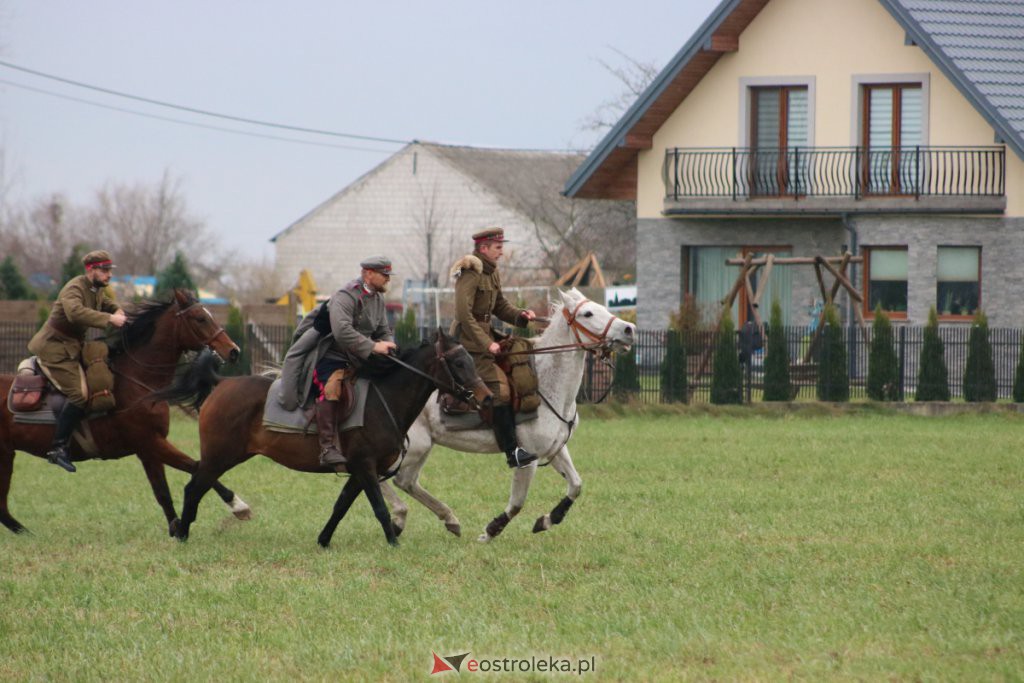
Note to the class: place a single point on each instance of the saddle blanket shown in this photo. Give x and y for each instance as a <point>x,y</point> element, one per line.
<point>463,422</point>
<point>277,419</point>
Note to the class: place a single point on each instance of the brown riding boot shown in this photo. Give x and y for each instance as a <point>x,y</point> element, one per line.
<point>327,432</point>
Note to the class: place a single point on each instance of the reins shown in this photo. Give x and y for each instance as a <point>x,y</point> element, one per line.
<point>599,342</point>
<point>453,387</point>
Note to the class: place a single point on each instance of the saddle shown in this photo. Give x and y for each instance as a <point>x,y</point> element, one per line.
<point>522,375</point>
<point>33,391</point>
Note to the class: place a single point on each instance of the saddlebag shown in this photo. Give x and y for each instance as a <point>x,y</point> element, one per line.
<point>27,392</point>
<point>98,377</point>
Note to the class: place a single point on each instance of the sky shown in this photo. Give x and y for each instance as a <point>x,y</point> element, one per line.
<point>521,74</point>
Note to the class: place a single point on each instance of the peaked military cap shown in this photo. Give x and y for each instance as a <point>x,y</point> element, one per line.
<point>98,259</point>
<point>490,235</point>
<point>381,264</point>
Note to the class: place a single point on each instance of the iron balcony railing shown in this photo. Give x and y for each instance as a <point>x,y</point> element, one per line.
<point>801,172</point>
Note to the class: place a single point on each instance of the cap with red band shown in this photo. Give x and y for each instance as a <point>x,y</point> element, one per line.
<point>98,259</point>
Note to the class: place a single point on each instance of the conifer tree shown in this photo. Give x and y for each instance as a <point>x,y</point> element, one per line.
<point>777,386</point>
<point>1018,377</point>
<point>407,334</point>
<point>883,366</point>
<point>933,374</point>
<point>979,371</point>
<point>71,268</point>
<point>726,374</point>
<point>175,276</point>
<point>13,285</point>
<point>674,382</point>
<point>235,328</point>
<point>627,377</point>
<point>833,374</point>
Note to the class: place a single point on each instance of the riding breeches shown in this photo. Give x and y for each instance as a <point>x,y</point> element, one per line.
<point>493,377</point>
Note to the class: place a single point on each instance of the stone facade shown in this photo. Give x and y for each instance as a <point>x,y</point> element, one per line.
<point>1001,239</point>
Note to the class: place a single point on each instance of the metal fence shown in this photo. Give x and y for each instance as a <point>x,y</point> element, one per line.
<point>264,347</point>
<point>907,341</point>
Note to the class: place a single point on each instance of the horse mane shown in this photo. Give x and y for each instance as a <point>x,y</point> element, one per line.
<point>141,321</point>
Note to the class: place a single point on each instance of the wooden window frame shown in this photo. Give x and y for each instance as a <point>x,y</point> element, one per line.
<point>958,317</point>
<point>782,163</point>
<point>896,126</point>
<point>869,312</point>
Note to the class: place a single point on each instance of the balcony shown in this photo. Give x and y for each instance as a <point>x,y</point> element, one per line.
<point>832,180</point>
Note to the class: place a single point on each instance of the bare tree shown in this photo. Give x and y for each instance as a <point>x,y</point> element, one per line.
<point>41,235</point>
<point>249,281</point>
<point>634,76</point>
<point>148,225</point>
<point>434,225</point>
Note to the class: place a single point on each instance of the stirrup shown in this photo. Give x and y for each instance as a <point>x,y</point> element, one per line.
<point>332,458</point>
<point>61,458</point>
<point>519,458</point>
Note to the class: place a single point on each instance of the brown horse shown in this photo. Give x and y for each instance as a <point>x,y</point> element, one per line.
<point>231,427</point>
<point>143,358</point>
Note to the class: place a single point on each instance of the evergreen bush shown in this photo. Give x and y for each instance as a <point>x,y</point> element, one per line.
<point>407,334</point>
<point>932,375</point>
<point>833,374</point>
<point>72,267</point>
<point>235,328</point>
<point>777,386</point>
<point>674,382</point>
<point>13,285</point>
<point>979,371</point>
<point>627,376</point>
<point>883,366</point>
<point>1018,377</point>
<point>726,374</point>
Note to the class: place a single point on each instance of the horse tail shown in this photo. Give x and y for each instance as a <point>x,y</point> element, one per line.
<point>193,386</point>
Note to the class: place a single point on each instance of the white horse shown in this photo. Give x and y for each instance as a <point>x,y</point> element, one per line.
<point>579,326</point>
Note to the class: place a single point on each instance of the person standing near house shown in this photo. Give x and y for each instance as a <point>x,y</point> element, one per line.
<point>478,297</point>
<point>80,305</point>
<point>350,330</point>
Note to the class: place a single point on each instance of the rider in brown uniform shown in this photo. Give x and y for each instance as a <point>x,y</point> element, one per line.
<point>478,297</point>
<point>80,305</point>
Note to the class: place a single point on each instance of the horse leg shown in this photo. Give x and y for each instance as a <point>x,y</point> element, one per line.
<point>574,484</point>
<point>517,498</point>
<point>380,510</point>
<point>6,471</point>
<point>399,509</point>
<point>348,494</point>
<point>158,482</point>
<point>408,479</point>
<point>171,456</point>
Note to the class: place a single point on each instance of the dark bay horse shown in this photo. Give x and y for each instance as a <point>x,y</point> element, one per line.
<point>143,357</point>
<point>231,427</point>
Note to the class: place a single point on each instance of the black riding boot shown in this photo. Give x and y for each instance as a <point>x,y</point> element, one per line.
<point>67,420</point>
<point>327,432</point>
<point>505,433</point>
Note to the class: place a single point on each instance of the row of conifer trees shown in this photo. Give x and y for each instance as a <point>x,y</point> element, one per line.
<point>833,383</point>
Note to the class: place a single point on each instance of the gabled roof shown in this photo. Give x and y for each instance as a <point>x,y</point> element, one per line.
<point>977,44</point>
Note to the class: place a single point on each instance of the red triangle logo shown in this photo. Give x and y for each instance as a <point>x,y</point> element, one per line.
<point>440,666</point>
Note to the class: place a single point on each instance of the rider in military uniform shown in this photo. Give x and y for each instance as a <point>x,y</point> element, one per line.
<point>478,297</point>
<point>80,305</point>
<point>349,331</point>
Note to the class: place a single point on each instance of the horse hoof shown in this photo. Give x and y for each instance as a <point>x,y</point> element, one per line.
<point>174,528</point>
<point>454,527</point>
<point>484,538</point>
<point>324,543</point>
<point>240,509</point>
<point>543,523</point>
<point>398,529</point>
<point>393,543</point>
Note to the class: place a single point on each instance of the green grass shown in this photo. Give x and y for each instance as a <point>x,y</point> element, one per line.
<point>706,545</point>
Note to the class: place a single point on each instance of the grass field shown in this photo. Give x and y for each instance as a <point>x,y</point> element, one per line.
<point>728,546</point>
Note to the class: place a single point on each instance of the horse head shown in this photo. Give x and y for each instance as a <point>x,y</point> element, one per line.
<point>460,370</point>
<point>199,330</point>
<point>595,325</point>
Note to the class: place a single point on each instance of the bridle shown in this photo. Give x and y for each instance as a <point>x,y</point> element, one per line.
<point>599,344</point>
<point>219,332</point>
<point>452,387</point>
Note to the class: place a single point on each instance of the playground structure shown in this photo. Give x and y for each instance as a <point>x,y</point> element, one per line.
<point>836,266</point>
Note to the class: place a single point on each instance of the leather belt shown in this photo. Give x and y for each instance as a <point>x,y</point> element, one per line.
<point>59,328</point>
<point>485,318</point>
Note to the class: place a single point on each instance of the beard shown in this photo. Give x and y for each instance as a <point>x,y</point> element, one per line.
<point>383,289</point>
<point>99,282</point>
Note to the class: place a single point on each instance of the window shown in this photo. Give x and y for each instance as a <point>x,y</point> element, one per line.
<point>779,127</point>
<point>958,288</point>
<point>885,280</point>
<point>707,277</point>
<point>893,129</point>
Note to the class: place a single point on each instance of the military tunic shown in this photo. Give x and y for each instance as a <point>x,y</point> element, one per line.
<point>478,298</point>
<point>358,320</point>
<point>58,345</point>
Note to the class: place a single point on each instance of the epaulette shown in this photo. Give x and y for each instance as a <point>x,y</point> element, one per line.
<point>467,262</point>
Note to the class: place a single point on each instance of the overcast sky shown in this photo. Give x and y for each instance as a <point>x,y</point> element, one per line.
<point>498,73</point>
